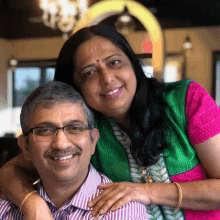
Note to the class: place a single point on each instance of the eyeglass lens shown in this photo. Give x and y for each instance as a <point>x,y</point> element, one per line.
<point>48,133</point>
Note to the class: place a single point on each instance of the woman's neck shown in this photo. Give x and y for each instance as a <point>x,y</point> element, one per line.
<point>124,122</point>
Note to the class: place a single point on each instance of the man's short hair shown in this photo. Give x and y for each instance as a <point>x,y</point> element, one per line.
<point>49,94</point>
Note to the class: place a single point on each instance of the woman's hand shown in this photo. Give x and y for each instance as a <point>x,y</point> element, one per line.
<point>115,195</point>
<point>35,208</point>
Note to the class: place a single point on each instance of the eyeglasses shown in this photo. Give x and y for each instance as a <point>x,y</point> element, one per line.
<point>48,133</point>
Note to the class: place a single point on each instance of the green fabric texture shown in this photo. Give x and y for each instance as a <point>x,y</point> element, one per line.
<point>110,157</point>
<point>180,156</point>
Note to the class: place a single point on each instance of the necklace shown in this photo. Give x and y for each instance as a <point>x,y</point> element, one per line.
<point>145,173</point>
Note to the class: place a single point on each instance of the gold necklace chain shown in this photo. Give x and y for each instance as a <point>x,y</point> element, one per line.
<point>144,172</point>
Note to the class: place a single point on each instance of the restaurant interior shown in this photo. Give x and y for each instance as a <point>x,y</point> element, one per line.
<point>174,40</point>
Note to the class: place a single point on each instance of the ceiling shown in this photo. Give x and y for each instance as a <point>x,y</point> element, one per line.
<point>15,16</point>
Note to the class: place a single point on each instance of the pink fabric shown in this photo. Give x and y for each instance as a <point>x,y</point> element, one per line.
<point>77,207</point>
<point>202,113</point>
<point>193,175</point>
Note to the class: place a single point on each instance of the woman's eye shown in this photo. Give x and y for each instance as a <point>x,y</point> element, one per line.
<point>88,73</point>
<point>114,62</point>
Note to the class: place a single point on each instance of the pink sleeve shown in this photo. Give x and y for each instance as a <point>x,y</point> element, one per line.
<point>202,113</point>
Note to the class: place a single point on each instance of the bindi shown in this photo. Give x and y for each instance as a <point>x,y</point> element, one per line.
<point>97,61</point>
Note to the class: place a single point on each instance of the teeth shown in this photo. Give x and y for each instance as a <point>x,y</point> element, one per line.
<point>63,158</point>
<point>112,92</point>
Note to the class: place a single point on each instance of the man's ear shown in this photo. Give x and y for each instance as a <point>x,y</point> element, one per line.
<point>95,133</point>
<point>23,144</point>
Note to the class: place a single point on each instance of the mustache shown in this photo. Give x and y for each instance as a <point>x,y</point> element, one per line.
<point>61,153</point>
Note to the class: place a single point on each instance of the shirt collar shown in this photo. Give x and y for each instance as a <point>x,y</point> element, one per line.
<point>86,192</point>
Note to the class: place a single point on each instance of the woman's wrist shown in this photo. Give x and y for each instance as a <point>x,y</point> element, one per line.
<point>163,194</point>
<point>34,206</point>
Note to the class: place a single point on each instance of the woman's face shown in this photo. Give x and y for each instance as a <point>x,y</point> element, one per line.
<point>105,77</point>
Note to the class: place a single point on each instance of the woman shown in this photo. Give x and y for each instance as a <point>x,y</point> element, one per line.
<point>166,133</point>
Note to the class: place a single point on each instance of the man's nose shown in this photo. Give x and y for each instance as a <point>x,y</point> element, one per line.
<point>60,140</point>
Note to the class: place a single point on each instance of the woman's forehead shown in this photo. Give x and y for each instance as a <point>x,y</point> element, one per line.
<point>96,47</point>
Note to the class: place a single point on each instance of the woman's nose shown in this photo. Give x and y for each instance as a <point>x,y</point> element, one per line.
<point>106,76</point>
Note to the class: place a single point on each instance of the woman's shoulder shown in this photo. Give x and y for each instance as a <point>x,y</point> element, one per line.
<point>202,113</point>
<point>176,91</point>
<point>178,85</point>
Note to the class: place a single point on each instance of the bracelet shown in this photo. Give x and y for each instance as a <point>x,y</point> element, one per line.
<point>180,194</point>
<point>26,197</point>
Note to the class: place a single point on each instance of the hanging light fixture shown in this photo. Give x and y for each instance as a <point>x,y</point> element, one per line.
<point>12,63</point>
<point>63,14</point>
<point>187,48</point>
<point>125,23</point>
<point>187,45</point>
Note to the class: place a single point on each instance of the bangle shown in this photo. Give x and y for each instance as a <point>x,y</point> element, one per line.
<point>26,197</point>
<point>180,194</point>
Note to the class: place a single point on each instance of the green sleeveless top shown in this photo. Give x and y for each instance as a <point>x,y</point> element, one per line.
<point>111,159</point>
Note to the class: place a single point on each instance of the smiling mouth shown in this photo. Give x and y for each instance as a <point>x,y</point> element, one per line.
<point>63,158</point>
<point>114,93</point>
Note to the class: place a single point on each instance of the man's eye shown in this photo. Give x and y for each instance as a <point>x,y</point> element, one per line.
<point>44,131</point>
<point>74,129</point>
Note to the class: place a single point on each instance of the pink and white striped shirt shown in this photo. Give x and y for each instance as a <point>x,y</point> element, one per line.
<point>76,208</point>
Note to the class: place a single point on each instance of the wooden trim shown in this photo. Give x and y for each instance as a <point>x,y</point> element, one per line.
<point>37,63</point>
<point>214,61</point>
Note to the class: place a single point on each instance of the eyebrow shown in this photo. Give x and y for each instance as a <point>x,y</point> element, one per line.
<point>49,123</point>
<point>91,65</point>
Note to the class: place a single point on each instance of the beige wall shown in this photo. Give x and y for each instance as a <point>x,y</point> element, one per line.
<point>37,49</point>
<point>26,49</point>
<point>199,68</point>
<point>200,62</point>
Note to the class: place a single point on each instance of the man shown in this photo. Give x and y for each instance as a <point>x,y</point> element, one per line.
<point>59,138</point>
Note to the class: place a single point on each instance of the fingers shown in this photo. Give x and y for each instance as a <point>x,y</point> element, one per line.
<point>103,193</point>
<point>124,200</point>
<point>115,195</point>
<point>105,186</point>
<point>115,203</point>
<point>106,200</point>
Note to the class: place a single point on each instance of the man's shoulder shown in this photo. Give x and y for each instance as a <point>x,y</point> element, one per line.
<point>130,211</point>
<point>9,210</point>
<point>102,177</point>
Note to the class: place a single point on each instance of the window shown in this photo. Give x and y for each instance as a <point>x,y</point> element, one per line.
<point>26,79</point>
<point>146,63</point>
<point>173,68</point>
<point>27,76</point>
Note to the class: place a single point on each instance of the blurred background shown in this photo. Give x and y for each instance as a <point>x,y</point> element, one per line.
<point>174,40</point>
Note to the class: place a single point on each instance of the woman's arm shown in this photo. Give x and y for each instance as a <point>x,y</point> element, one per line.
<point>197,195</point>
<point>16,178</point>
<point>203,195</point>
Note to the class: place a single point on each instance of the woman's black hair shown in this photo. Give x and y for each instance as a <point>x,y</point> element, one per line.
<point>147,110</point>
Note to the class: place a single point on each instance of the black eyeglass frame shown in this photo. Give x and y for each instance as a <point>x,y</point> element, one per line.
<point>87,126</point>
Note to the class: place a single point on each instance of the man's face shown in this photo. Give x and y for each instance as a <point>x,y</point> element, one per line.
<point>62,158</point>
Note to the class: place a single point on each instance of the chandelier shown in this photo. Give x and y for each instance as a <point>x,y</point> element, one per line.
<point>63,14</point>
